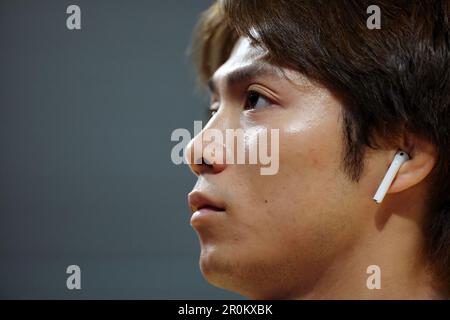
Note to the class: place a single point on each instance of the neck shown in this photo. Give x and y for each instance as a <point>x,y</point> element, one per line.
<point>395,246</point>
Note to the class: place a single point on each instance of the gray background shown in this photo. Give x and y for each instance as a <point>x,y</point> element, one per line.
<point>85,170</point>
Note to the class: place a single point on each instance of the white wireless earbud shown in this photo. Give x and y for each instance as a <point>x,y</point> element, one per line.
<point>399,159</point>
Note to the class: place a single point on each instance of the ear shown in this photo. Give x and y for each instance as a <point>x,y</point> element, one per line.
<point>422,158</point>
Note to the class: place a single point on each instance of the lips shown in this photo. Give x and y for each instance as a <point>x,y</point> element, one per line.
<point>198,201</point>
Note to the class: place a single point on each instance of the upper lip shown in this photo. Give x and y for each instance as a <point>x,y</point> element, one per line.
<point>198,200</point>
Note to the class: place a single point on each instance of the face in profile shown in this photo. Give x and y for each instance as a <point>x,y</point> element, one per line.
<point>274,236</point>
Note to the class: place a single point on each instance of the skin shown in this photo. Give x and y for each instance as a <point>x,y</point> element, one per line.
<point>308,231</point>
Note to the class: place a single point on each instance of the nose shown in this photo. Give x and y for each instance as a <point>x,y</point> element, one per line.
<point>205,156</point>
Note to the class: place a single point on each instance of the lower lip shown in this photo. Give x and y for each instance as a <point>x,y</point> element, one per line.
<point>204,214</point>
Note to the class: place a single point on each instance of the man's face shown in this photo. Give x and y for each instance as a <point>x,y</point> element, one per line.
<point>276,234</point>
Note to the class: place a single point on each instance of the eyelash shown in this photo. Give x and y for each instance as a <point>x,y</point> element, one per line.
<point>248,94</point>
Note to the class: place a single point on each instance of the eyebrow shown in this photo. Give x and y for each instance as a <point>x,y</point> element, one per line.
<point>239,75</point>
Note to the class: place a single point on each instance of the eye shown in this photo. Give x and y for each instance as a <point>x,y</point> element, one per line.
<point>255,100</point>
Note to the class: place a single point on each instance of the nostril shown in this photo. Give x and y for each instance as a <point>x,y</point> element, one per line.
<point>203,161</point>
<point>206,162</point>
<point>203,165</point>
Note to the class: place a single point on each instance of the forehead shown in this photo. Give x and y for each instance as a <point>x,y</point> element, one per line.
<point>245,54</point>
<point>244,51</point>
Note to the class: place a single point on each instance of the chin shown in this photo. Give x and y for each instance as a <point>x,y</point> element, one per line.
<point>230,270</point>
<point>221,267</point>
<point>214,263</point>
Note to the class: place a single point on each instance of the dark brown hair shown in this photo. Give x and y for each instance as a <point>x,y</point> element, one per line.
<point>391,80</point>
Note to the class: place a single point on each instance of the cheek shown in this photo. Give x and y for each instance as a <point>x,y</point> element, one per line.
<point>309,179</point>
<point>310,154</point>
